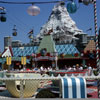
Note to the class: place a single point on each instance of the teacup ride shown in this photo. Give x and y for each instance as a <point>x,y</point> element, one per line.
<point>31,82</point>
<point>29,86</point>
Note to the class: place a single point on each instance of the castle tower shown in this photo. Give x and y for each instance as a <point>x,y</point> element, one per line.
<point>7,42</point>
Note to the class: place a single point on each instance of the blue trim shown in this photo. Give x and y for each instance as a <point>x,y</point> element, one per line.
<point>74,89</point>
<point>82,88</point>
<point>65,88</point>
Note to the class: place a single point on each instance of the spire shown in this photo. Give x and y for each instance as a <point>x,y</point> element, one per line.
<point>47,43</point>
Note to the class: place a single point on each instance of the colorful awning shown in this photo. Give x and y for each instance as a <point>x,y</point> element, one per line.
<point>73,87</point>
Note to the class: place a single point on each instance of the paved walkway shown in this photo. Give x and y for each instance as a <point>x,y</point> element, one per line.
<point>5,94</point>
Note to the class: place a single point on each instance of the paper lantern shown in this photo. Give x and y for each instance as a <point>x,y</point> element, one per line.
<point>71,7</point>
<point>33,10</point>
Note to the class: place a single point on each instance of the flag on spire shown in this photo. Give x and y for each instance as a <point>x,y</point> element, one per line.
<point>51,30</point>
<point>31,32</point>
<point>89,29</point>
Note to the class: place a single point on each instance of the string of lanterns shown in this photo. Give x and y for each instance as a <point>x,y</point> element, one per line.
<point>35,10</point>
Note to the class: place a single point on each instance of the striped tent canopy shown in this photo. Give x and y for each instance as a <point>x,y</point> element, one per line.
<point>73,87</point>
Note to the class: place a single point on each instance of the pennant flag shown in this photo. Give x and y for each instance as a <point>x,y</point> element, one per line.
<point>89,29</point>
<point>51,30</point>
<point>31,32</point>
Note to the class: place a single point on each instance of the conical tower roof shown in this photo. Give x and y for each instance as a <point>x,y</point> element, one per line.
<point>90,46</point>
<point>47,43</point>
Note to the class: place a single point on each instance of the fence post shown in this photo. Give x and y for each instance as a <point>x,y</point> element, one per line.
<point>98,86</point>
<point>21,89</point>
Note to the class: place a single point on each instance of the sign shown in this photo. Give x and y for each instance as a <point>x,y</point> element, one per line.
<point>8,60</point>
<point>23,60</point>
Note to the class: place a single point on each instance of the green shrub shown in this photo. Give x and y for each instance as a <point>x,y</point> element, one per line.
<point>95,73</point>
<point>45,93</point>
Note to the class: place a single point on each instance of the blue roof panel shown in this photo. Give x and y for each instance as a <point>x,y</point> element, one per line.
<point>65,48</point>
<point>17,51</point>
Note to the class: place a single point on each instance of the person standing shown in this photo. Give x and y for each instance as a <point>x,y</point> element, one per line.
<point>89,69</point>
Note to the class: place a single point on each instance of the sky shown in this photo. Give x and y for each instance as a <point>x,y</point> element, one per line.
<point>17,15</point>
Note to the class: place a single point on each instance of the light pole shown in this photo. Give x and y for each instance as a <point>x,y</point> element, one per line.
<point>96,40</point>
<point>96,36</point>
<point>86,2</point>
<point>97,48</point>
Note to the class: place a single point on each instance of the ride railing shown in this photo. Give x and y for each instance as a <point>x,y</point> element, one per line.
<point>27,85</point>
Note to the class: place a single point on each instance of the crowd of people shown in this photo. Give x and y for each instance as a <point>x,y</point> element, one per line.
<point>42,69</point>
<point>78,67</point>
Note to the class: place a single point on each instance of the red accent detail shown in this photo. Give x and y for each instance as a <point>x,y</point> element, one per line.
<point>88,51</point>
<point>28,57</point>
<point>82,51</point>
<point>70,72</point>
<point>4,51</point>
<point>76,54</point>
<point>10,48</point>
<point>28,69</point>
<point>33,55</point>
<point>38,55</point>
<point>48,54</point>
<point>50,31</point>
<point>96,43</point>
<point>44,60</point>
<point>17,63</point>
<point>74,58</point>
<point>97,57</point>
